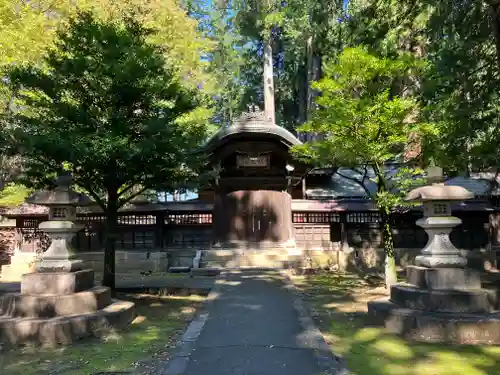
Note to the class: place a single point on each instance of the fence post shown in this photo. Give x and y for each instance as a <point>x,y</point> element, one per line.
<point>159,225</point>
<point>494,236</point>
<point>344,241</point>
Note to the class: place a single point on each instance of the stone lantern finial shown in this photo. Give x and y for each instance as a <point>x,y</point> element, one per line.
<point>63,181</point>
<point>61,226</point>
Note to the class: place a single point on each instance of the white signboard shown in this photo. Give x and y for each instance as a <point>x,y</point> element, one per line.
<point>259,161</point>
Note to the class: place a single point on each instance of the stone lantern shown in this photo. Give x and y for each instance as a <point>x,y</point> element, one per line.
<point>61,226</point>
<point>442,300</point>
<point>438,223</point>
<point>60,302</point>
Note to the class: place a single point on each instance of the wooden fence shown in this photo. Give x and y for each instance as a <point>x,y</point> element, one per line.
<point>164,230</point>
<point>363,229</point>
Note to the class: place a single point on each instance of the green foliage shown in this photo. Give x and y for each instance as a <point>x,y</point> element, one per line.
<point>400,185</point>
<point>364,120</point>
<point>360,115</point>
<point>13,195</point>
<point>108,106</point>
<point>460,88</point>
<point>389,28</point>
<point>27,29</point>
<point>225,55</point>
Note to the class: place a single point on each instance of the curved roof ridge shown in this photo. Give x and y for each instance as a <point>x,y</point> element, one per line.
<point>253,121</point>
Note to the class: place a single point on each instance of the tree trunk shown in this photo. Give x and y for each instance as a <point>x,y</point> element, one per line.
<point>314,75</point>
<point>301,94</point>
<point>269,106</point>
<point>495,20</point>
<point>391,277</point>
<point>108,278</point>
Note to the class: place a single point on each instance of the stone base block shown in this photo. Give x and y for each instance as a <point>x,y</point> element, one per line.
<point>57,283</point>
<point>54,265</point>
<point>443,278</point>
<point>64,330</point>
<point>441,261</point>
<point>451,301</point>
<point>424,326</point>
<point>41,306</point>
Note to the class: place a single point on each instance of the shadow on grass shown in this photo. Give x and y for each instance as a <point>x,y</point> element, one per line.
<point>144,343</point>
<point>339,307</point>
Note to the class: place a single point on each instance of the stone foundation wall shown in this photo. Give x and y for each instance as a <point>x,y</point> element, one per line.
<point>372,259</point>
<point>129,261</point>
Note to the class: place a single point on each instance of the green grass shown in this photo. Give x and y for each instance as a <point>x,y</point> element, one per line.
<point>339,302</point>
<point>147,340</point>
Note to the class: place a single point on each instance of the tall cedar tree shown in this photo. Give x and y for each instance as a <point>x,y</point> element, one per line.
<point>109,109</point>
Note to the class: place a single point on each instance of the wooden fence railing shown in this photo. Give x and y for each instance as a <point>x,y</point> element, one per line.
<point>163,230</point>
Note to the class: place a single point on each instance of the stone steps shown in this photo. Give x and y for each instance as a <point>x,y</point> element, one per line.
<point>243,258</point>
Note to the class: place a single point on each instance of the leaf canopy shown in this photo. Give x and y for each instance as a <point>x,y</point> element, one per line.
<point>108,107</point>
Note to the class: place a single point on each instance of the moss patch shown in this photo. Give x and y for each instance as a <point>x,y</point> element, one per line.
<point>141,348</point>
<point>338,303</point>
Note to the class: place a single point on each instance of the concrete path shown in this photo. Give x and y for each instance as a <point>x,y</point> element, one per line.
<point>255,326</point>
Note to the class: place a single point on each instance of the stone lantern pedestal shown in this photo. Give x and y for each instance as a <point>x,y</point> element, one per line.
<point>442,300</point>
<point>59,302</point>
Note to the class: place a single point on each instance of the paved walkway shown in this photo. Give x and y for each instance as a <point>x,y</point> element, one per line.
<point>254,327</point>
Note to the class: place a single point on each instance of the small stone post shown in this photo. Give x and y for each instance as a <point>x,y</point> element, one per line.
<point>61,226</point>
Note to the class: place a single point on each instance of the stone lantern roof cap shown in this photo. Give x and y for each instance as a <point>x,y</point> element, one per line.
<point>62,194</point>
<point>439,192</point>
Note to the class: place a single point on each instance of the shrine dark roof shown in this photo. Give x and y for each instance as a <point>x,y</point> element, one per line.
<point>252,122</point>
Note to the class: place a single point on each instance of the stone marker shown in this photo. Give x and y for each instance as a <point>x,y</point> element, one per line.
<point>443,300</point>
<point>59,302</point>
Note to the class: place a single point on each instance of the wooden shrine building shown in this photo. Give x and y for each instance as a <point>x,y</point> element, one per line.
<point>256,180</point>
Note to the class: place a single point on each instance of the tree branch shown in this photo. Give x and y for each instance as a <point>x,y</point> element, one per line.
<point>360,183</point>
<point>123,201</point>
<point>91,192</point>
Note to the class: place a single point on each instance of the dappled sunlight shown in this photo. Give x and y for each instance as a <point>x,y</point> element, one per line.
<point>247,306</point>
<point>338,304</point>
<point>138,319</point>
<point>491,350</point>
<point>367,334</point>
<point>112,336</point>
<point>230,283</point>
<point>393,348</point>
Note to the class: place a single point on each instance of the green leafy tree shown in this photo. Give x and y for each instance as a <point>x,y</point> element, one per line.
<point>365,124</point>
<point>110,109</point>
<point>28,28</point>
